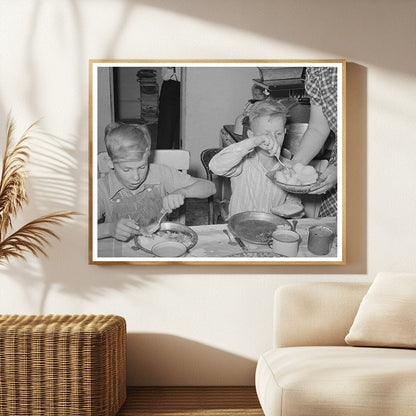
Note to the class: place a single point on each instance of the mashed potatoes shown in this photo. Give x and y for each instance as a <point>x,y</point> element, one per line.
<point>298,175</point>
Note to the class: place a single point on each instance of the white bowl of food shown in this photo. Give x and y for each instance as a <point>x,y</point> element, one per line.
<point>169,249</point>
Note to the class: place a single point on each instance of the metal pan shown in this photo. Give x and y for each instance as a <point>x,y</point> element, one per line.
<point>256,227</point>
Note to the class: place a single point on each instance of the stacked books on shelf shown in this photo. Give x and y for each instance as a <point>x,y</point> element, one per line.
<point>149,94</point>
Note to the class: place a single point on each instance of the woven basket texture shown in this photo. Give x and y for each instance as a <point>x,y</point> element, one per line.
<point>54,365</point>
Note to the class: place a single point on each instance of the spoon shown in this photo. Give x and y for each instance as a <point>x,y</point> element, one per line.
<point>152,228</point>
<point>294,223</point>
<point>278,159</point>
<point>231,242</point>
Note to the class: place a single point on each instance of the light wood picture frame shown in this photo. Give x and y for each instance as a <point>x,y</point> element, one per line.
<point>193,106</point>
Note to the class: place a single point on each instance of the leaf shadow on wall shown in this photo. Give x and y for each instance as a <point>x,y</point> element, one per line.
<point>59,180</point>
<point>333,27</point>
<point>172,360</point>
<point>53,186</point>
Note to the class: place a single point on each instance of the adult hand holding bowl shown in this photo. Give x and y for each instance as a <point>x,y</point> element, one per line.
<point>327,180</point>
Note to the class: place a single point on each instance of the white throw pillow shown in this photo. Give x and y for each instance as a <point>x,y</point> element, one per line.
<point>387,314</point>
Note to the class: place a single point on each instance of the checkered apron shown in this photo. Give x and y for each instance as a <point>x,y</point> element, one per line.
<point>321,86</point>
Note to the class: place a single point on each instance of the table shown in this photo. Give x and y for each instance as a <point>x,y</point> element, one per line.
<point>213,243</point>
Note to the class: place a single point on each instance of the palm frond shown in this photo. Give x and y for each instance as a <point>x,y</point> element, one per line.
<point>12,182</point>
<point>33,236</point>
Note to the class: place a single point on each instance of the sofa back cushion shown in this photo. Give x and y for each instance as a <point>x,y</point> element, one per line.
<point>387,314</point>
<point>315,313</point>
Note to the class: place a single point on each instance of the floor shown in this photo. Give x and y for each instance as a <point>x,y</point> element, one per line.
<point>191,401</point>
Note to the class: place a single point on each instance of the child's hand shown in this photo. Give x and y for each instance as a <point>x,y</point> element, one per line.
<point>173,201</point>
<point>269,143</point>
<point>124,229</point>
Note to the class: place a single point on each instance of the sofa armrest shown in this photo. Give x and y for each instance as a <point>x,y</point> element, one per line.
<point>315,313</point>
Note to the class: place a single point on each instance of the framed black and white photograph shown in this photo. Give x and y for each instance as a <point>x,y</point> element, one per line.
<point>217,162</point>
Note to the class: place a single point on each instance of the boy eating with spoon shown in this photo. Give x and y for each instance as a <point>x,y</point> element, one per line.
<point>248,161</point>
<point>135,193</point>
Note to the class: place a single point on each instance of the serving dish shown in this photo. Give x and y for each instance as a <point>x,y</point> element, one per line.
<point>168,231</point>
<point>256,227</point>
<point>293,189</point>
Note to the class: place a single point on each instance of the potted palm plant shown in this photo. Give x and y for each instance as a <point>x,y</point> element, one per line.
<point>34,236</point>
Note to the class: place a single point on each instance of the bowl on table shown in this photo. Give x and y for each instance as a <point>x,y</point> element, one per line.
<point>169,249</point>
<point>169,232</point>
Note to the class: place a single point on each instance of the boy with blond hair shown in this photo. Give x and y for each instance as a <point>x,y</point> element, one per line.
<point>133,193</point>
<point>248,161</point>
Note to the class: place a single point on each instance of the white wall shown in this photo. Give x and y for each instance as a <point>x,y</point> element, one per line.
<point>203,324</point>
<point>105,104</point>
<point>213,97</point>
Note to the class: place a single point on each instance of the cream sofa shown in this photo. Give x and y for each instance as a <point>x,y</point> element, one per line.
<point>311,371</point>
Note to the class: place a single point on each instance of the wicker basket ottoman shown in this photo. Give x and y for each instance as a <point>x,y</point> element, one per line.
<point>71,365</point>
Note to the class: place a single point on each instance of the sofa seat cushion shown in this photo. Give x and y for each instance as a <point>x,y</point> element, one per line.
<point>341,380</point>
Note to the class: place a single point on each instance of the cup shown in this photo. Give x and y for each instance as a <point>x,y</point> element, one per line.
<point>286,242</point>
<point>320,239</point>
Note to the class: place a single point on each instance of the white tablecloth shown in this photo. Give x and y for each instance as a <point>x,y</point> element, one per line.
<point>213,243</point>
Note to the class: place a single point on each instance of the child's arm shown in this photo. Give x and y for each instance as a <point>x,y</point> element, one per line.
<point>121,230</point>
<point>228,161</point>
<point>200,188</point>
